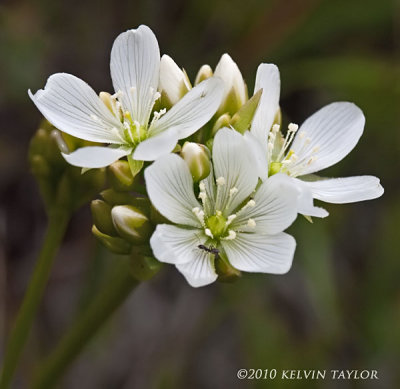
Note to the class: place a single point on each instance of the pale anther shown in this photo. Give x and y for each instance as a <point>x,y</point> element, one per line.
<point>220,181</point>
<point>251,223</point>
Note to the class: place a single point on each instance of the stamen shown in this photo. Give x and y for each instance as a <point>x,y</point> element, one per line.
<point>220,181</point>
<point>231,235</point>
<point>208,232</point>
<point>230,219</point>
<point>202,186</point>
<point>199,214</point>
<point>233,191</point>
<point>251,223</point>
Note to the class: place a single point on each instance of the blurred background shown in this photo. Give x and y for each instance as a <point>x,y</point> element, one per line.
<point>338,307</point>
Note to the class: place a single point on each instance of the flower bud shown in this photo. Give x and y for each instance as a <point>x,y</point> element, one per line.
<point>235,89</point>
<point>131,223</point>
<point>204,73</point>
<point>120,176</point>
<point>101,214</point>
<point>174,82</point>
<point>223,121</point>
<point>112,243</point>
<point>198,159</point>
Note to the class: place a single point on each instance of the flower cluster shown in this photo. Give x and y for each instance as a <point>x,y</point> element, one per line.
<point>226,180</point>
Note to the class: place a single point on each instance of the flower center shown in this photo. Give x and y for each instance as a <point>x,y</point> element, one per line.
<point>216,224</point>
<point>281,161</point>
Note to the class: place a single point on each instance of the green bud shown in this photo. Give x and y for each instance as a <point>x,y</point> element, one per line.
<point>241,120</point>
<point>143,265</point>
<point>204,73</point>
<point>131,223</point>
<point>226,272</point>
<point>112,243</point>
<point>197,158</point>
<point>120,176</point>
<point>101,214</point>
<point>223,121</point>
<point>114,197</point>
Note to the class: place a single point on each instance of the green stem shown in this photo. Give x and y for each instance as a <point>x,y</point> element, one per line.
<point>84,329</point>
<point>58,221</point>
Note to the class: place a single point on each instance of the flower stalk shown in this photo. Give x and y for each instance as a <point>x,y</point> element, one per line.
<point>58,221</point>
<point>111,297</point>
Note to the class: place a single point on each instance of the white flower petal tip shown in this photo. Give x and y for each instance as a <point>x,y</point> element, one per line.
<point>134,65</point>
<point>72,106</point>
<point>94,156</point>
<point>173,81</point>
<point>229,72</point>
<point>198,273</point>
<point>346,190</point>
<point>327,136</point>
<point>267,79</point>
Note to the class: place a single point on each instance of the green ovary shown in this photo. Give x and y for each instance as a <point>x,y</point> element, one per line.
<point>217,225</point>
<point>135,134</point>
<point>274,167</point>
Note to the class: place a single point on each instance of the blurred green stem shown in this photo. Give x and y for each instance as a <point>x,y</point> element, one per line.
<point>58,221</point>
<point>83,330</point>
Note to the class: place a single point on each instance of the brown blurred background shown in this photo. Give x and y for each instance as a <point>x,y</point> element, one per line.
<point>339,306</point>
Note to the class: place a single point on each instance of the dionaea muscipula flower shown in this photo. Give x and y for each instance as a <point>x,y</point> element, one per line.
<point>232,217</point>
<point>124,120</point>
<point>322,140</point>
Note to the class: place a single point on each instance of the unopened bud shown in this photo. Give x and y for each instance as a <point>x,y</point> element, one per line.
<point>131,223</point>
<point>235,89</point>
<point>101,214</point>
<point>223,121</point>
<point>112,243</point>
<point>198,159</point>
<point>174,82</point>
<point>120,176</point>
<point>204,73</point>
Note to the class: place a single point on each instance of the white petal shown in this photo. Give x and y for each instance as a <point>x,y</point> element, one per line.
<point>135,63</point>
<point>275,206</point>
<point>259,153</point>
<point>346,190</point>
<point>229,72</point>
<point>95,156</point>
<point>233,162</point>
<point>306,201</point>
<point>170,188</point>
<point>261,253</point>
<point>156,146</point>
<point>73,107</point>
<point>333,132</point>
<point>194,110</point>
<point>267,79</point>
<point>176,245</point>
<point>199,272</point>
<point>173,81</point>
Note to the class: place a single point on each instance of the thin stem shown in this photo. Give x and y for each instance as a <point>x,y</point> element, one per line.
<point>58,221</point>
<point>84,329</point>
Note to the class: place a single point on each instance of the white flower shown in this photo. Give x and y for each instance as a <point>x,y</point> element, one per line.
<point>174,82</point>
<point>243,222</point>
<point>322,140</point>
<point>123,119</point>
